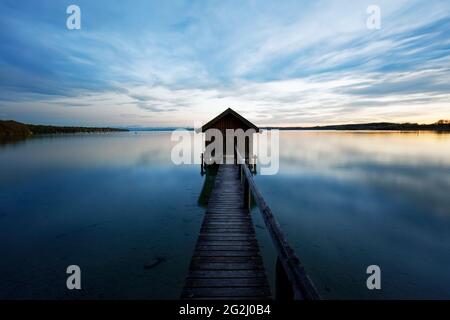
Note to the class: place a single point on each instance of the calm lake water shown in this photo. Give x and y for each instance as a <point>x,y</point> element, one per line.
<point>115,205</point>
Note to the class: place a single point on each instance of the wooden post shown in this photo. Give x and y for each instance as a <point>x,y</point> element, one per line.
<point>247,194</point>
<point>291,278</point>
<point>283,288</point>
<point>202,171</point>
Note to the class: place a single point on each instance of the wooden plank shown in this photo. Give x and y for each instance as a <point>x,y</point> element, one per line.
<point>225,230</point>
<point>232,220</point>
<point>230,224</point>
<point>238,226</point>
<point>225,248</point>
<point>223,234</point>
<point>250,265</point>
<point>222,259</point>
<point>222,253</point>
<point>223,244</point>
<point>229,298</point>
<point>226,217</point>
<point>226,292</point>
<point>222,237</point>
<point>227,274</point>
<point>226,262</point>
<point>221,282</point>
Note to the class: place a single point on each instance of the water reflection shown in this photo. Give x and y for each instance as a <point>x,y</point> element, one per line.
<point>112,203</point>
<point>351,199</point>
<point>115,205</point>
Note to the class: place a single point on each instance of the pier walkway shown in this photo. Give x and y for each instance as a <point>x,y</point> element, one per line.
<point>226,263</point>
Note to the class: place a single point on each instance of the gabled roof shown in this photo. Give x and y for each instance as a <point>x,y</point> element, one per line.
<point>229,111</point>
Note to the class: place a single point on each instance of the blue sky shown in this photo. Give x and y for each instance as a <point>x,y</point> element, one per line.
<point>170,63</point>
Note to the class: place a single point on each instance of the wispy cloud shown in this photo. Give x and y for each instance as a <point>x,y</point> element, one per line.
<point>161,63</point>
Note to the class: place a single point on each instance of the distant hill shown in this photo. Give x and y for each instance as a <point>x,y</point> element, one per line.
<point>13,130</point>
<point>441,125</point>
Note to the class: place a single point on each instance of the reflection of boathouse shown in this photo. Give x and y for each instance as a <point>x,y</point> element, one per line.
<point>230,119</point>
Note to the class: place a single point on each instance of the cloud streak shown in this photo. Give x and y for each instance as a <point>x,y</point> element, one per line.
<point>159,63</point>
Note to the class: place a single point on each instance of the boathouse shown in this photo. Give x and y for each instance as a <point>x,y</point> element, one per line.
<point>226,262</point>
<point>230,119</point>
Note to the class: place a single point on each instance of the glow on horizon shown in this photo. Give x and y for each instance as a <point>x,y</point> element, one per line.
<point>159,63</point>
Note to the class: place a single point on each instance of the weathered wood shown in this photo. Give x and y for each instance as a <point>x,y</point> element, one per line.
<point>226,248</point>
<point>301,285</point>
<point>226,263</point>
<point>225,230</point>
<point>228,274</point>
<point>228,225</point>
<point>251,258</point>
<point>203,265</point>
<point>220,220</point>
<point>226,292</point>
<point>223,253</point>
<point>221,282</point>
<point>229,243</point>
<point>221,236</point>
<point>247,195</point>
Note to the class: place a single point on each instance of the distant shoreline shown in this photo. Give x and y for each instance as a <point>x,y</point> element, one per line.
<point>12,130</point>
<point>441,125</point>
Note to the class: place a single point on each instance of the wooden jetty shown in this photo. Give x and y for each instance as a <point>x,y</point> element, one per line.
<point>226,263</point>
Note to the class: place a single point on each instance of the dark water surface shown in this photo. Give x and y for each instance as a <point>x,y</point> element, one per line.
<point>347,200</point>
<point>115,205</point>
<point>111,203</point>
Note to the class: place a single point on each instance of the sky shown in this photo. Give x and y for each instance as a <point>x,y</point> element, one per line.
<point>173,63</point>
